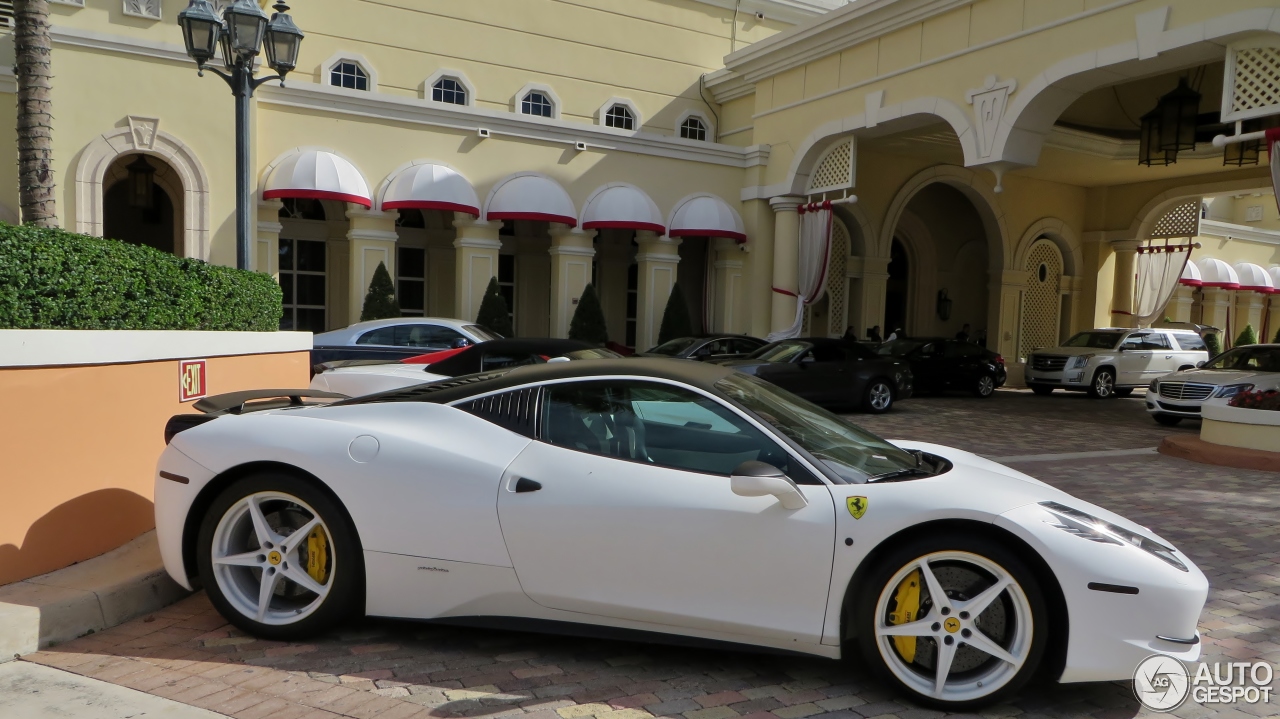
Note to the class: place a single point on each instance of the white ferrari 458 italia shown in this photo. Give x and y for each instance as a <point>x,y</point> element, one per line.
<point>650,498</point>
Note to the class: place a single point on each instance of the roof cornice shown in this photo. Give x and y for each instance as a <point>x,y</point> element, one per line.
<point>788,11</point>
<point>1232,231</point>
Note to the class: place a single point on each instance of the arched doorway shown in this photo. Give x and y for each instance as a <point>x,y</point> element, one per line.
<point>897,290</point>
<point>142,203</point>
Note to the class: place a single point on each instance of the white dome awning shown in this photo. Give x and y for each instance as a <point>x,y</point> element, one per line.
<point>706,215</point>
<point>427,186</point>
<point>1253,277</point>
<point>1274,271</point>
<point>318,175</point>
<point>1191,275</point>
<point>1216,273</point>
<point>530,196</point>
<point>622,207</point>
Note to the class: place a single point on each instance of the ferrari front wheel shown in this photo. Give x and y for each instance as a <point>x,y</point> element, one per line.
<point>277,558</point>
<point>956,621</point>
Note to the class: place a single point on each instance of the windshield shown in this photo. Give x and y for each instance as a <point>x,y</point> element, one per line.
<point>1095,340</point>
<point>781,351</point>
<point>853,453</point>
<point>483,333</point>
<point>899,348</point>
<point>1255,359</point>
<point>674,347</point>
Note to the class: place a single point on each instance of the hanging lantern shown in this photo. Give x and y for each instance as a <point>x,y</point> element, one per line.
<point>1240,154</point>
<point>141,181</point>
<point>1149,152</point>
<point>282,41</point>
<point>200,28</point>
<point>1179,111</point>
<point>245,26</point>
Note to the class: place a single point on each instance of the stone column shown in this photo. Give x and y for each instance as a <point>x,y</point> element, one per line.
<point>1126,271</point>
<point>1273,318</point>
<point>1004,320</point>
<point>656,258</point>
<point>786,260</point>
<point>1179,307</point>
<point>873,284</point>
<point>266,248</point>
<point>1249,306</point>
<point>1217,307</point>
<point>371,239</point>
<point>475,262</point>
<point>730,286</point>
<point>572,253</point>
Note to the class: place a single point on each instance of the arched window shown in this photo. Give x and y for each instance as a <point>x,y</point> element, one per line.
<point>350,75</point>
<point>620,117</point>
<point>693,128</point>
<point>536,103</point>
<point>449,90</point>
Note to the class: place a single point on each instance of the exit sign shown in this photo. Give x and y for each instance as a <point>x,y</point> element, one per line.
<point>192,379</point>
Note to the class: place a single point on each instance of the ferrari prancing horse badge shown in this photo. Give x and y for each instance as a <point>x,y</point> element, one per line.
<point>857,506</point>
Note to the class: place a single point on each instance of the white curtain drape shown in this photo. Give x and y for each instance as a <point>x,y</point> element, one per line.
<point>1160,266</point>
<point>814,261</point>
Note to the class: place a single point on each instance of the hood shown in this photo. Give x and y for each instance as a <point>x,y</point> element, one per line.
<point>1262,380</point>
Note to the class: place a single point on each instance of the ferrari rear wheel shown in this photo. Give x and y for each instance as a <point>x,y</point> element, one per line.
<point>277,558</point>
<point>959,622</point>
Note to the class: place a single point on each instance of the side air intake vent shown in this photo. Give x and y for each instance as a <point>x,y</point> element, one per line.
<point>516,410</point>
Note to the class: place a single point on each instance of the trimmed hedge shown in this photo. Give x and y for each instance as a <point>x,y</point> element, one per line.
<point>51,279</point>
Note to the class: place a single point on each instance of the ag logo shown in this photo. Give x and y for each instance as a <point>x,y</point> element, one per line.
<point>1161,683</point>
<point>857,506</point>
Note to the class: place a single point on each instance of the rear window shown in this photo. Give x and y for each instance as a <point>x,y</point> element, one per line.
<point>1191,343</point>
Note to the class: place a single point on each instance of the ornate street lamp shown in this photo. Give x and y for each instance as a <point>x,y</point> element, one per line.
<point>240,32</point>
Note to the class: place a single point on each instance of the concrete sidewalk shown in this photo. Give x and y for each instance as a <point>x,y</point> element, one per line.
<point>32,691</point>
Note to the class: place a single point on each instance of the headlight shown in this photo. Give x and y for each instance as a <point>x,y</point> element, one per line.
<point>1087,526</point>
<point>1232,390</point>
<point>1080,361</point>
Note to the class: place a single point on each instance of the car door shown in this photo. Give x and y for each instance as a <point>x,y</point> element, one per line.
<point>1133,359</point>
<point>633,517</point>
<point>927,366</point>
<point>1164,356</point>
<point>824,373</point>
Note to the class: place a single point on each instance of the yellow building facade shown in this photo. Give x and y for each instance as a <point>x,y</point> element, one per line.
<point>991,145</point>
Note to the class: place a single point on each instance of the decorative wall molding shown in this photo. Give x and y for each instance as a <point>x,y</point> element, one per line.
<point>788,11</point>
<point>989,103</point>
<point>1232,231</point>
<point>148,9</point>
<point>63,35</point>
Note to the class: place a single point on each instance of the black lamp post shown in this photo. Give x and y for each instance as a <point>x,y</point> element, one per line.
<point>240,33</point>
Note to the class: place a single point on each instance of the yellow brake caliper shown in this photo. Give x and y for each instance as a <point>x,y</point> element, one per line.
<point>317,555</point>
<point>906,607</point>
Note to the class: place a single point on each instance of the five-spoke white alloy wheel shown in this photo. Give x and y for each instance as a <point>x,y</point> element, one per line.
<point>272,556</point>
<point>955,623</point>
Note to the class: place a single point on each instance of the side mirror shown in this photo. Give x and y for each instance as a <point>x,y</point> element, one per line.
<point>758,479</point>
<point>461,342</point>
<point>1199,364</point>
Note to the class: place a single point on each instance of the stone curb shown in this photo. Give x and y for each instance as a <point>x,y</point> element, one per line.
<point>1195,449</point>
<point>90,596</point>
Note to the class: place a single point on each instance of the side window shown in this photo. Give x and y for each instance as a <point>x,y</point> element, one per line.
<point>719,347</point>
<point>498,360</point>
<point>656,424</point>
<point>1191,343</point>
<point>380,336</point>
<point>427,336</point>
<point>954,350</point>
<point>514,410</point>
<point>1155,341</point>
<point>929,350</point>
<point>1133,342</point>
<point>828,353</point>
<point>744,346</point>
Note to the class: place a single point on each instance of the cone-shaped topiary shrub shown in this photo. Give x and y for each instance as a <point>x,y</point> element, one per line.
<point>675,320</point>
<point>588,323</point>
<point>380,301</point>
<point>494,314</point>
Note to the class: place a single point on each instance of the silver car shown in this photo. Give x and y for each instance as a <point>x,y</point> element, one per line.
<point>1180,395</point>
<point>1113,361</point>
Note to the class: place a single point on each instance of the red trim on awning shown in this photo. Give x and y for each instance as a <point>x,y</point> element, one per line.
<point>1191,283</point>
<point>1258,288</point>
<point>431,205</point>
<point>1222,285</point>
<point>535,216</point>
<point>623,225</point>
<point>740,237</point>
<point>286,193</point>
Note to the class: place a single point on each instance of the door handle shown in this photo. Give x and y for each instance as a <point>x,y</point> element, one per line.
<point>1168,356</point>
<point>524,484</point>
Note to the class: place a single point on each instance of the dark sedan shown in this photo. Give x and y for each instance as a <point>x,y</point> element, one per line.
<point>940,364</point>
<point>831,372</point>
<point>707,348</point>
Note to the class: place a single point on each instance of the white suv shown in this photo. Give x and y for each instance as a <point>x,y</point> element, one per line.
<point>1112,362</point>
<point>1181,395</point>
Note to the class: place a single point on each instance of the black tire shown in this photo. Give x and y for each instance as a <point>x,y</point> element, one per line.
<point>985,385</point>
<point>1124,391</point>
<point>345,563</point>
<point>877,397</point>
<point>899,558</point>
<point>1168,420</point>
<point>1103,385</point>
<point>1041,390</point>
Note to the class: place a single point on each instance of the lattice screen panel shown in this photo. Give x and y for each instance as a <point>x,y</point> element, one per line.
<point>834,171</point>
<point>837,282</point>
<point>1252,89</point>
<point>1183,220</point>
<point>1041,303</point>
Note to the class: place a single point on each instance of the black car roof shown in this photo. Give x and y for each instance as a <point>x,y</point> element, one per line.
<point>698,374</point>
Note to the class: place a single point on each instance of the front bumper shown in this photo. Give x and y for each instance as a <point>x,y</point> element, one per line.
<point>1110,633</point>
<point>1065,378</point>
<point>1179,408</point>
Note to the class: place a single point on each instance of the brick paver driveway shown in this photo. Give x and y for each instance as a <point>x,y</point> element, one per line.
<point>1227,520</point>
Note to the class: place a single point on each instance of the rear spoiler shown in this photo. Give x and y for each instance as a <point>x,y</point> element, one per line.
<point>238,402</point>
<point>335,364</point>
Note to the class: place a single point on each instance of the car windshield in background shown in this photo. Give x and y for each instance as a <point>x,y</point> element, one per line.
<point>674,347</point>
<point>781,352</point>
<point>853,453</point>
<point>1255,359</point>
<point>899,348</point>
<point>593,353</point>
<point>483,333</point>
<point>1095,340</point>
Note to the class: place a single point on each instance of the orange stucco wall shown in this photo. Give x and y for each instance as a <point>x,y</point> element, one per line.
<point>78,447</point>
